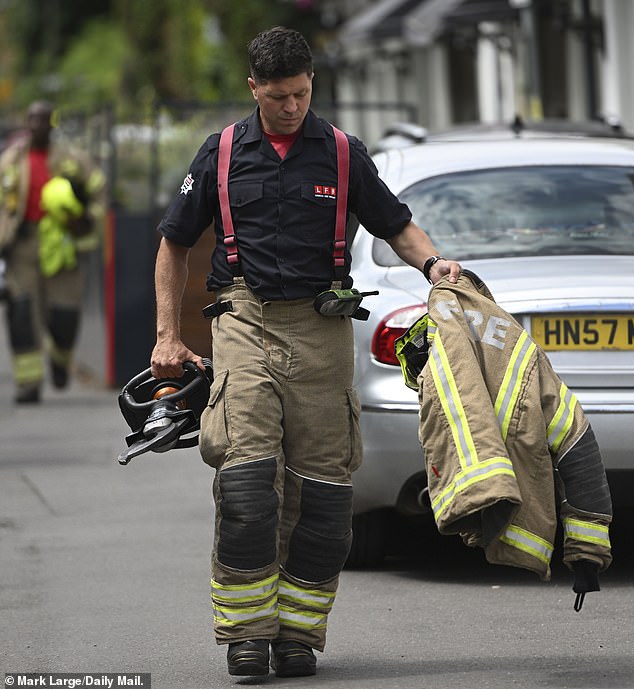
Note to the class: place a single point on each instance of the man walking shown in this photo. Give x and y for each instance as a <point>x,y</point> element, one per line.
<point>51,199</point>
<point>282,425</point>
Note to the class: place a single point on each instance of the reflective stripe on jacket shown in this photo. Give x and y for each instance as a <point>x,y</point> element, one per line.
<point>495,422</point>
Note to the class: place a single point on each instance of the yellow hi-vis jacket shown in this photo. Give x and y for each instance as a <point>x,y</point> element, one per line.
<point>501,432</point>
<point>56,247</point>
<point>63,161</point>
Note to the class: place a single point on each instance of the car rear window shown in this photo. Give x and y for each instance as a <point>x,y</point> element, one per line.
<point>523,211</point>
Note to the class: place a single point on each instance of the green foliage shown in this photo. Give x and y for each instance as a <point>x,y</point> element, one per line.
<point>90,71</point>
<point>39,33</point>
<point>240,22</point>
<point>135,52</point>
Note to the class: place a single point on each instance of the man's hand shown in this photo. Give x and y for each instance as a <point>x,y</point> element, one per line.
<point>444,267</point>
<point>168,358</point>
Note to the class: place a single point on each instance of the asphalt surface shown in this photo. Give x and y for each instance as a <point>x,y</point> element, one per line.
<point>96,557</point>
<point>105,569</point>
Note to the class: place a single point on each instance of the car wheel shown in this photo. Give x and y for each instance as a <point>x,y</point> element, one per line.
<point>369,539</point>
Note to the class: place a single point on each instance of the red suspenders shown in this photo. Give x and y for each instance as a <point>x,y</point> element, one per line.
<point>224,158</point>
<point>343,174</point>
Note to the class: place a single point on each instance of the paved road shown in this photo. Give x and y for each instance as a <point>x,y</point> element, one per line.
<point>105,569</point>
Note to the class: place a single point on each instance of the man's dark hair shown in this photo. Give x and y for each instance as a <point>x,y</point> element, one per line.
<point>279,53</point>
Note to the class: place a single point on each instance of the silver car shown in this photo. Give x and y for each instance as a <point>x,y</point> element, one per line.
<point>548,223</point>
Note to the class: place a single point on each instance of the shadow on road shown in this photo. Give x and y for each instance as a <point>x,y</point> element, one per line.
<point>419,549</point>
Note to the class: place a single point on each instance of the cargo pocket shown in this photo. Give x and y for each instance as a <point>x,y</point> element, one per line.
<point>356,442</point>
<point>214,440</point>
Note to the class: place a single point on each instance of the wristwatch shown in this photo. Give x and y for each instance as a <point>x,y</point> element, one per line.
<point>427,266</point>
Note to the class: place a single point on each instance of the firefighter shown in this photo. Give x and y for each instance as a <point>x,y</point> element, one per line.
<point>51,205</point>
<point>282,425</point>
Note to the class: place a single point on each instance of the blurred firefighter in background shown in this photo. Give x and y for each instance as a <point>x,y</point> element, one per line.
<point>52,203</point>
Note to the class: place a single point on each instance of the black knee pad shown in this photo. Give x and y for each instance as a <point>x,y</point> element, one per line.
<point>581,470</point>
<point>248,507</point>
<point>21,323</point>
<point>321,539</point>
<point>63,324</point>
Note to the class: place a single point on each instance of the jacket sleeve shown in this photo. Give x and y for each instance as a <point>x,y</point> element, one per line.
<point>13,191</point>
<point>586,506</point>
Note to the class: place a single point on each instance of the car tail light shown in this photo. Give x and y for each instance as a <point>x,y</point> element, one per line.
<point>391,327</point>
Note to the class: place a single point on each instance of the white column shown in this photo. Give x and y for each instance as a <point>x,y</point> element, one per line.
<point>488,74</point>
<point>440,115</point>
<point>617,67</point>
<point>575,72</point>
<point>507,81</point>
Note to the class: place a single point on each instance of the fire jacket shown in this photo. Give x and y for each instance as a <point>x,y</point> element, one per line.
<point>62,162</point>
<point>505,438</point>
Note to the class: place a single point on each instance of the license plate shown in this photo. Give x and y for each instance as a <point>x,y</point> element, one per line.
<point>578,331</point>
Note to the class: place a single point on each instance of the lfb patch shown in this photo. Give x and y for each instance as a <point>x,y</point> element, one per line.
<point>187,185</point>
<point>324,192</point>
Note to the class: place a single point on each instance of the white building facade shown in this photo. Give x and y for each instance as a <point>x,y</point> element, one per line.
<point>449,62</point>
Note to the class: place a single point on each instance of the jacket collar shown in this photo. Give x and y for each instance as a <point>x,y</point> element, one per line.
<point>311,128</point>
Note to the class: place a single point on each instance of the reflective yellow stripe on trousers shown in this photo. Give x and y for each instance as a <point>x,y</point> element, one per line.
<point>303,607</point>
<point>28,368</point>
<point>231,602</point>
<point>589,532</point>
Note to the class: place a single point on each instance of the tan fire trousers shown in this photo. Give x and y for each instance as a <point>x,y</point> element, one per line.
<point>282,431</point>
<point>43,313</point>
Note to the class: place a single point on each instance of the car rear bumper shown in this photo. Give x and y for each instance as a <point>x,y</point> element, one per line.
<point>612,420</point>
<point>392,452</point>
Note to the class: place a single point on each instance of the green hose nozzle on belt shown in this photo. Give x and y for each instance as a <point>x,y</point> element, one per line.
<point>342,302</point>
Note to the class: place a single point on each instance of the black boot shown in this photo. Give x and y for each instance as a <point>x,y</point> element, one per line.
<point>27,394</point>
<point>59,374</point>
<point>293,659</point>
<point>248,658</point>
